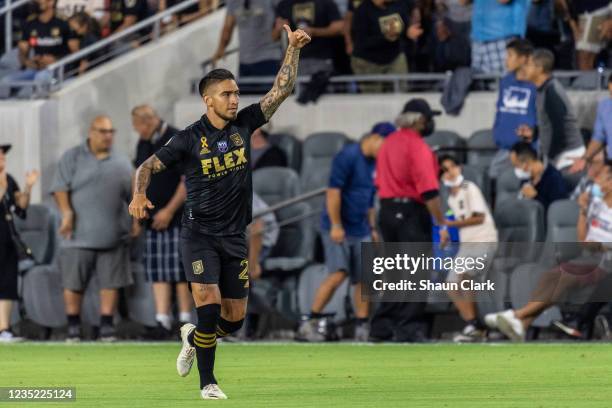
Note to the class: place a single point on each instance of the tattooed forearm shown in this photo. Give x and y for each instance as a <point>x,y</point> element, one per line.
<point>143,174</point>
<point>284,83</point>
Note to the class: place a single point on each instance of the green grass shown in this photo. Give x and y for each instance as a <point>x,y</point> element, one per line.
<point>328,375</point>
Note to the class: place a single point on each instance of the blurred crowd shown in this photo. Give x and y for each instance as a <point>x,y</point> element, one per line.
<point>358,36</point>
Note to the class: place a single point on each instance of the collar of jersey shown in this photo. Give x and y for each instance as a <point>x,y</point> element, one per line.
<point>206,123</point>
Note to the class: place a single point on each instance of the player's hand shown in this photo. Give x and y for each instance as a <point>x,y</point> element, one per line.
<point>139,206</point>
<point>298,38</point>
<point>162,219</point>
<point>529,191</point>
<point>254,270</point>
<point>67,225</point>
<point>375,236</point>
<point>337,234</point>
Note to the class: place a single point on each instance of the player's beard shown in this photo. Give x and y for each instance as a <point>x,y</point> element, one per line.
<point>228,116</point>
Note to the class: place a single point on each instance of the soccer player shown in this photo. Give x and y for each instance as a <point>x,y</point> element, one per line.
<point>215,153</point>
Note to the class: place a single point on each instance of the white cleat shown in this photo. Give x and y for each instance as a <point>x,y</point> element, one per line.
<point>511,326</point>
<point>213,392</point>
<point>184,361</point>
<point>490,319</point>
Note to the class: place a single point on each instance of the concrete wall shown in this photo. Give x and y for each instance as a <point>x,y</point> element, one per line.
<point>355,114</point>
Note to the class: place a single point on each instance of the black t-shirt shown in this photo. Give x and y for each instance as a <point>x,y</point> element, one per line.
<point>163,185</point>
<point>217,172</point>
<point>48,38</point>
<point>189,10</point>
<point>121,8</point>
<point>311,13</point>
<point>8,207</point>
<point>354,4</point>
<point>370,23</point>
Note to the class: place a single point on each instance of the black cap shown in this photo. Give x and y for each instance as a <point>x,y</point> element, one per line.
<point>420,106</point>
<point>5,148</point>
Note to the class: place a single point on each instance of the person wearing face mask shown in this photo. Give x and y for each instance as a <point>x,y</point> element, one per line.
<point>589,270</point>
<point>478,237</point>
<point>408,188</point>
<point>540,181</point>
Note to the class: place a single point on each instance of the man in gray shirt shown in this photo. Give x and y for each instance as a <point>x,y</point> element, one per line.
<point>92,187</point>
<point>259,54</point>
<point>557,128</point>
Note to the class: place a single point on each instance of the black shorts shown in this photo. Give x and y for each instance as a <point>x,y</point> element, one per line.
<point>216,260</point>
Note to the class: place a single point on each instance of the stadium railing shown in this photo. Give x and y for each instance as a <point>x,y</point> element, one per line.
<point>103,50</point>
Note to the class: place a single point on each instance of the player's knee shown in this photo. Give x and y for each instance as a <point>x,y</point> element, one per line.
<point>226,327</point>
<point>205,294</point>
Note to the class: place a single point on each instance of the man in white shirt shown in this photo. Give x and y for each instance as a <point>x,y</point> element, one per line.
<point>478,237</point>
<point>594,230</point>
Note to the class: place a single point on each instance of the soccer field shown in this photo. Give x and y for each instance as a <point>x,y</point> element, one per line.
<point>327,375</point>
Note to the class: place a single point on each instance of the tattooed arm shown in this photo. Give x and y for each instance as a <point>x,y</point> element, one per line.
<point>142,179</point>
<point>285,80</point>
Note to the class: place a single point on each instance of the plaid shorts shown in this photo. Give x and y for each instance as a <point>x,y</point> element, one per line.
<point>162,260</point>
<point>489,57</point>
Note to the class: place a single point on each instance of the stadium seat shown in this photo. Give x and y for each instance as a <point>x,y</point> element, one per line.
<point>481,139</point>
<point>507,187</point>
<point>276,184</point>
<point>42,290</point>
<point>319,150</point>
<point>292,148</point>
<point>310,280</point>
<point>478,176</point>
<point>447,139</point>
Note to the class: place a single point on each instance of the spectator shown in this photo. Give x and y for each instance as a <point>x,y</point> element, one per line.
<point>458,13</point>
<point>452,46</point>
<point>321,20</point>
<point>67,8</point>
<point>46,39</point>
<point>516,106</point>
<point>263,234</point>
<point>593,168</point>
<point>167,192</point>
<point>348,25</point>
<point>348,220</point>
<point>595,233</point>
<point>592,30</point>
<point>541,24</point>
<point>494,22</point>
<point>259,54</point>
<point>419,51</point>
<point>602,133</point>
<point>540,181</point>
<point>92,187</point>
<point>407,182</point>
<point>88,32</point>
<point>12,202</point>
<point>478,237</point>
<point>126,13</point>
<point>189,14</point>
<point>560,140</point>
<point>379,28</point>
<point>264,154</point>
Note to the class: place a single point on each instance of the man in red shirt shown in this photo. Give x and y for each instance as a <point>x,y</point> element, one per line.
<point>407,181</point>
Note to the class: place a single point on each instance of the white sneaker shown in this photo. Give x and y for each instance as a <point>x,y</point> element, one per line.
<point>184,361</point>
<point>511,326</point>
<point>212,391</point>
<point>7,336</point>
<point>470,334</point>
<point>490,319</point>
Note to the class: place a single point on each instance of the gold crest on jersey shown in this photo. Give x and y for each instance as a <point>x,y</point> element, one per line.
<point>236,139</point>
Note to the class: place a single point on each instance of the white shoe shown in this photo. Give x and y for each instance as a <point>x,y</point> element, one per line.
<point>470,334</point>
<point>511,326</point>
<point>490,319</point>
<point>212,391</point>
<point>8,337</point>
<point>184,361</point>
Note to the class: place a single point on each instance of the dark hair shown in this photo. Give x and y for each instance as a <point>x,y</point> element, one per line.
<point>214,76</point>
<point>545,59</point>
<point>521,46</point>
<point>84,19</point>
<point>524,150</point>
<point>446,157</point>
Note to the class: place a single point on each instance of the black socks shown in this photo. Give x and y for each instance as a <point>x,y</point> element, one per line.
<point>204,339</point>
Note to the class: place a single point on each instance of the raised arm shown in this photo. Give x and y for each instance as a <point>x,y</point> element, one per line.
<point>142,179</point>
<point>285,80</point>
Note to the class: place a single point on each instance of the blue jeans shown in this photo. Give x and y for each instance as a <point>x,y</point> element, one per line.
<point>39,77</point>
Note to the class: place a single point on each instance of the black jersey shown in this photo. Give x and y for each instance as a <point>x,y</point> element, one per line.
<point>216,164</point>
